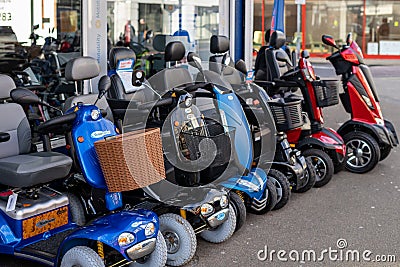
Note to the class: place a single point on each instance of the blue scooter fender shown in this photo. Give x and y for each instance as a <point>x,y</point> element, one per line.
<point>108,228</point>
<point>254,184</point>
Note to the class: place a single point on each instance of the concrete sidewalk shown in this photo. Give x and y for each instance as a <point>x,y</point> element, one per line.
<point>369,62</point>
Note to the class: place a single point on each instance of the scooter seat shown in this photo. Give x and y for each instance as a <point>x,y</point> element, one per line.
<point>27,170</point>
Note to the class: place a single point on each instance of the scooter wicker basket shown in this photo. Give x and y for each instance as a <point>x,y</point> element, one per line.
<point>132,160</point>
<point>287,115</point>
<point>326,92</point>
<point>196,143</point>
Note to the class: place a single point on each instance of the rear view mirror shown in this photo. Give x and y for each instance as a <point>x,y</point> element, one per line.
<point>24,96</point>
<point>195,60</point>
<point>328,40</point>
<point>349,39</point>
<point>103,86</point>
<point>241,66</point>
<point>305,54</point>
<point>137,77</point>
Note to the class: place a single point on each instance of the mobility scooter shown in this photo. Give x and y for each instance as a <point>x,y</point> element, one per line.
<point>255,103</point>
<point>368,136</point>
<point>42,224</point>
<point>323,146</point>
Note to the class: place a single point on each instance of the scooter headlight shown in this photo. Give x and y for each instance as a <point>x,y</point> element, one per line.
<point>224,202</point>
<point>206,209</point>
<point>125,239</point>
<point>379,121</point>
<point>149,230</point>
<point>188,102</point>
<point>95,114</point>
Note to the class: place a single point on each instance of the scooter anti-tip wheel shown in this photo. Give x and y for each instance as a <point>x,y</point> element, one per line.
<point>363,152</point>
<point>323,165</point>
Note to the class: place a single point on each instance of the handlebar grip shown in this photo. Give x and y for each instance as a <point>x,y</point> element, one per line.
<point>54,125</point>
<point>194,87</point>
<point>159,103</point>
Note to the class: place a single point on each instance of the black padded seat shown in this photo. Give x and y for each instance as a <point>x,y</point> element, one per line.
<point>19,167</point>
<point>34,168</point>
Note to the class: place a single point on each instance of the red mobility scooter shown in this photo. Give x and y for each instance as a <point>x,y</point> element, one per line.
<point>368,136</point>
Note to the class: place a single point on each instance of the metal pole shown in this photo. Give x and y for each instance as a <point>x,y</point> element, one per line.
<point>298,30</point>
<point>263,22</point>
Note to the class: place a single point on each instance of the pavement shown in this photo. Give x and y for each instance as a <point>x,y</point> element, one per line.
<point>354,212</point>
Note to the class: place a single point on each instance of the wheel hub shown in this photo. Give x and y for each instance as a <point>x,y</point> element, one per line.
<point>359,153</point>
<point>172,241</point>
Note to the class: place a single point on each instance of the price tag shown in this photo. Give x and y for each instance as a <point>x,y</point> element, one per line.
<point>249,76</point>
<point>12,202</point>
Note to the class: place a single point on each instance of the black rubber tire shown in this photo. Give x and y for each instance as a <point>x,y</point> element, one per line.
<point>158,258</point>
<point>317,154</point>
<point>240,209</point>
<point>281,182</point>
<point>76,209</point>
<point>385,152</point>
<point>372,145</point>
<point>223,232</point>
<point>81,256</point>
<point>188,242</point>
<point>310,172</point>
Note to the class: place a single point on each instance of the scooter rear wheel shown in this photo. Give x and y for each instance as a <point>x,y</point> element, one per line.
<point>363,152</point>
<point>323,165</point>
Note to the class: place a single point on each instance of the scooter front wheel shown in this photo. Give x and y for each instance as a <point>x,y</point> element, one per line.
<point>240,209</point>
<point>310,176</point>
<point>158,258</point>
<point>323,165</point>
<point>222,232</point>
<point>385,152</point>
<point>363,152</point>
<point>81,256</point>
<point>179,237</point>
<point>282,188</point>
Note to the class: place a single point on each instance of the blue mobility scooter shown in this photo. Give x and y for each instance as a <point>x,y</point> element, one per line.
<point>256,103</point>
<point>40,223</point>
<point>133,91</point>
<point>180,216</point>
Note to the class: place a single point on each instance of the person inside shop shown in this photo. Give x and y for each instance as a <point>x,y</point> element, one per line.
<point>142,30</point>
<point>129,33</point>
<point>383,31</point>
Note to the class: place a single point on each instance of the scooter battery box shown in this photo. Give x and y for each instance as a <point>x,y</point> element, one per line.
<point>32,216</point>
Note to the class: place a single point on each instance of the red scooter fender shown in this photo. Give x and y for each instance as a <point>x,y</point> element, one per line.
<point>382,134</point>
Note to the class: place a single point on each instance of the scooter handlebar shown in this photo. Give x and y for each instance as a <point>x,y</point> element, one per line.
<point>56,125</point>
<point>158,103</point>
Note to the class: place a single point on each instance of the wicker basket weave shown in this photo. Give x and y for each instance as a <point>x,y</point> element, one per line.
<point>132,160</point>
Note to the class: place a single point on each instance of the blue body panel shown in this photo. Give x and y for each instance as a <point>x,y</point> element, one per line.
<point>108,228</point>
<point>255,183</point>
<point>236,118</point>
<point>259,183</point>
<point>92,131</point>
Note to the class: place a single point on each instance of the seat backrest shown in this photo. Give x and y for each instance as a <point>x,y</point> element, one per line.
<point>84,68</point>
<point>121,61</point>
<point>221,62</point>
<point>13,121</point>
<point>172,77</point>
<point>276,68</point>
